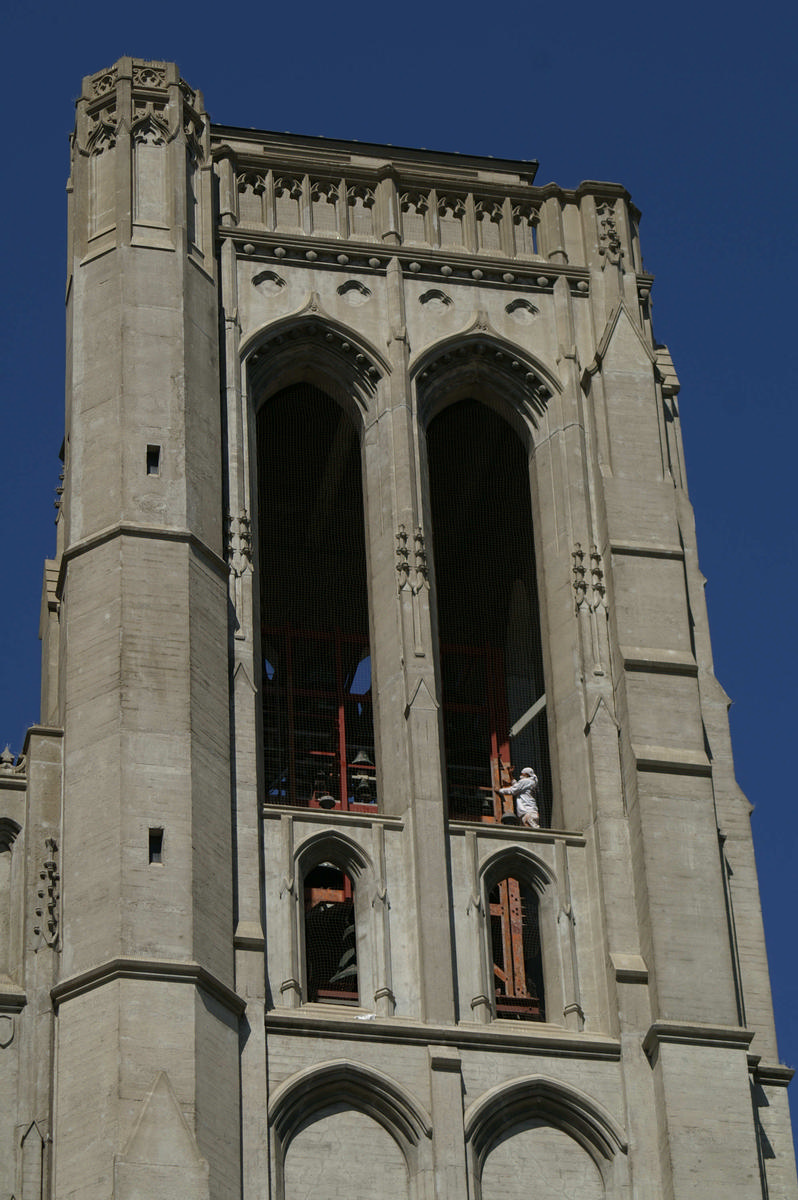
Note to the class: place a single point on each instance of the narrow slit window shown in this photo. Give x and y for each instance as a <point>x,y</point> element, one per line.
<point>156,845</point>
<point>153,460</point>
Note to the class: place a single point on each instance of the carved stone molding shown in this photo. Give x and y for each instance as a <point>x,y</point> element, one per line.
<point>599,599</point>
<point>415,575</point>
<point>149,126</point>
<point>103,83</point>
<point>48,896</point>
<point>579,573</point>
<point>609,239</point>
<point>149,76</point>
<point>239,543</point>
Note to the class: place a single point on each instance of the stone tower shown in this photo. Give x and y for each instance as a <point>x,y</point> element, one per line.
<point>373,495</point>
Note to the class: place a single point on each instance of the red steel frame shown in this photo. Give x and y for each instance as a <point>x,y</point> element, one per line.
<point>289,635</point>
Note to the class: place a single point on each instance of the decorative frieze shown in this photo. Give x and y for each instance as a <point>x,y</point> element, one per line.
<point>103,83</point>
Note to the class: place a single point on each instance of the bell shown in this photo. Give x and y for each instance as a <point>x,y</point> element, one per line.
<point>326,801</point>
<point>362,759</point>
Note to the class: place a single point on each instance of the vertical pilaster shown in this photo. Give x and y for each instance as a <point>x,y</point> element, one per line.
<point>408,708</point>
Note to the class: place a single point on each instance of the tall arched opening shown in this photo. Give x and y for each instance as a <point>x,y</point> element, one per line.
<point>493,691</point>
<point>317,711</point>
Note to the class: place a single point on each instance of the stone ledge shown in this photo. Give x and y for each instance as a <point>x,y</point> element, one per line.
<point>331,816</point>
<point>671,761</point>
<point>629,968</point>
<point>516,1036</point>
<point>647,549</point>
<point>517,833</point>
<point>659,661</point>
<point>152,970</point>
<point>690,1033</point>
<point>12,997</point>
<point>769,1074</point>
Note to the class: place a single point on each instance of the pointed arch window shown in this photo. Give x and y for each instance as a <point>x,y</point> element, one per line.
<point>516,950</point>
<point>317,711</point>
<point>493,690</point>
<point>330,936</point>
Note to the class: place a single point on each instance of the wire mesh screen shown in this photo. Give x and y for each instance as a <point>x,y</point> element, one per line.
<point>317,711</point>
<point>330,936</point>
<point>486,582</point>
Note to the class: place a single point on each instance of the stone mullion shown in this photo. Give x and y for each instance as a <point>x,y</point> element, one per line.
<point>402,650</point>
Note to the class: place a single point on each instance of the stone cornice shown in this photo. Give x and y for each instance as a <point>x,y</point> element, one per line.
<point>323,1021</point>
<point>151,970</point>
<point>258,242</point>
<point>332,154</point>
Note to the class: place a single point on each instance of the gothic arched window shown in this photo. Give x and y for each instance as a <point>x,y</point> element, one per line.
<point>517,960</point>
<point>317,712</point>
<point>330,936</point>
<point>493,690</point>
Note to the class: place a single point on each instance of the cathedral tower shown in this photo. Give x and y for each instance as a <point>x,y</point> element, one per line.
<point>374,495</point>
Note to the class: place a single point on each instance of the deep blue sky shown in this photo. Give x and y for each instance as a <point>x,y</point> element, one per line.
<point>690,106</point>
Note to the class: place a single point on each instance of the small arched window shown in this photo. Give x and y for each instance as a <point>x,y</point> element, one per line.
<point>330,936</point>
<point>516,950</point>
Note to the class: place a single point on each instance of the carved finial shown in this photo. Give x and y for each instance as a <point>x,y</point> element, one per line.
<point>7,760</point>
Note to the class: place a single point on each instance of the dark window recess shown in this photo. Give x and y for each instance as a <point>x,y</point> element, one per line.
<point>491,654</point>
<point>153,460</point>
<point>515,944</point>
<point>317,710</point>
<point>156,845</point>
<point>330,936</point>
